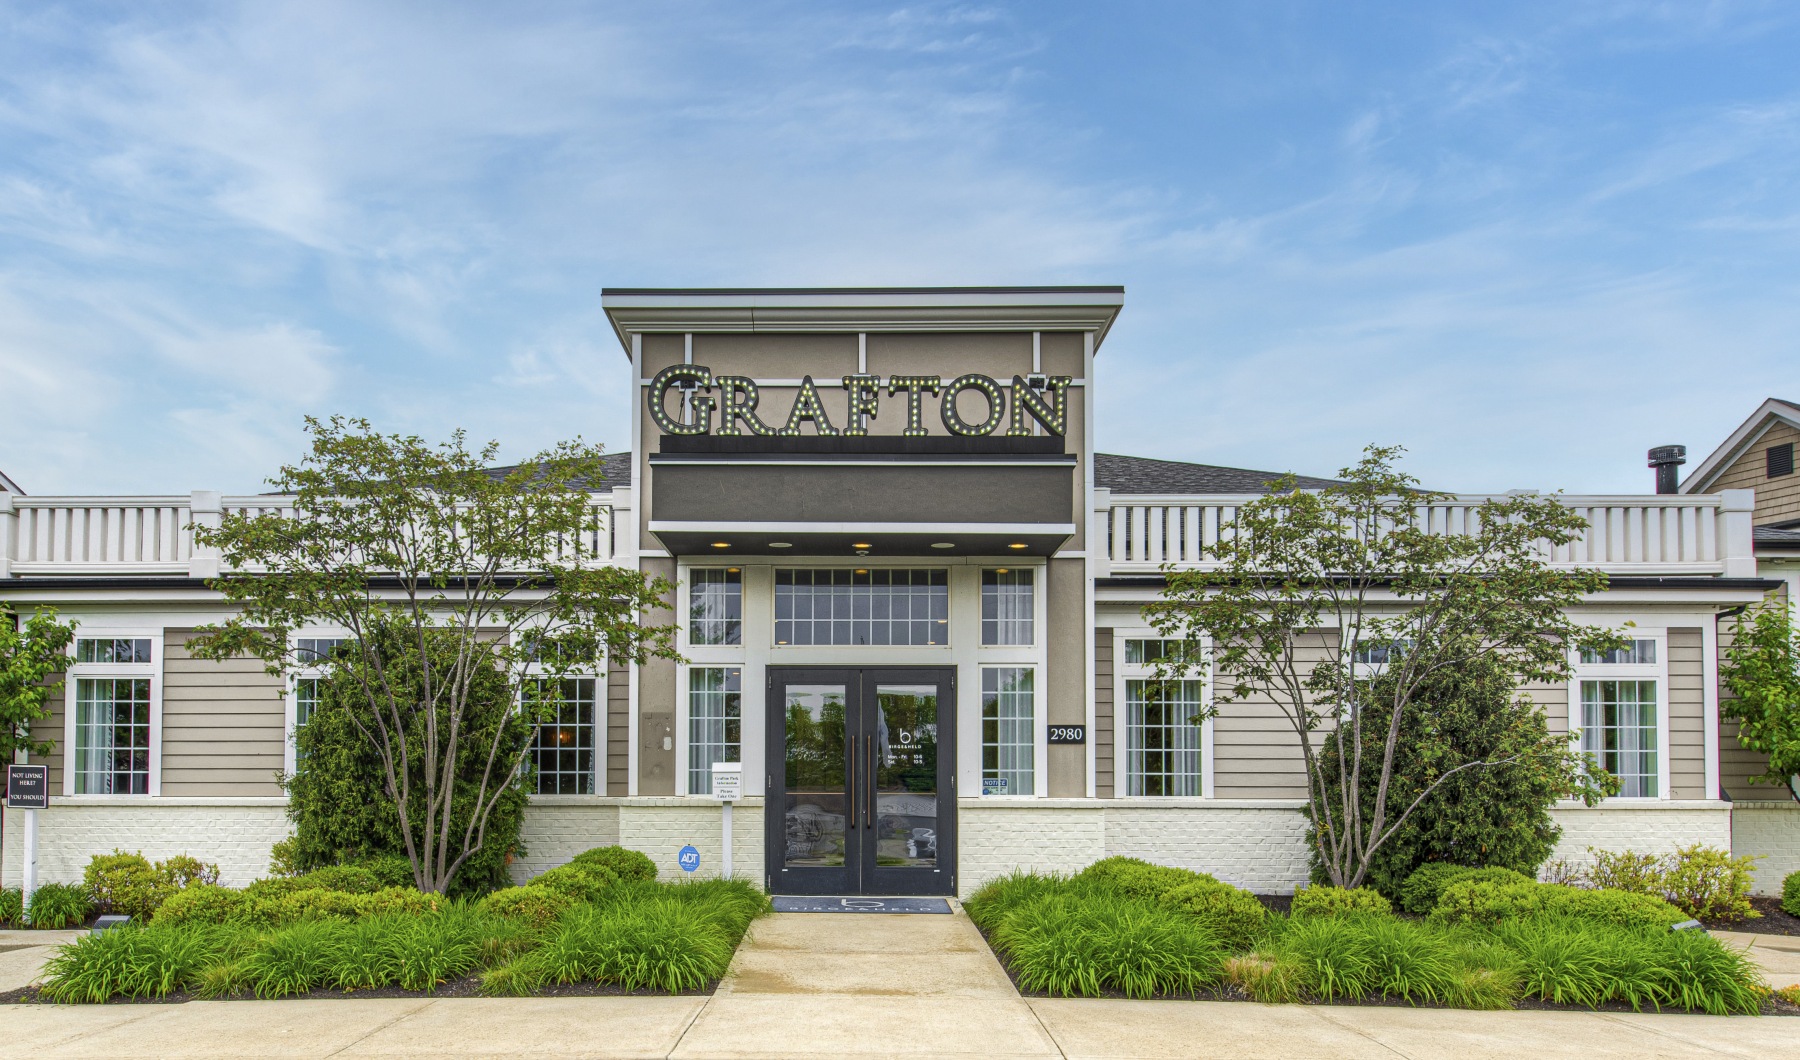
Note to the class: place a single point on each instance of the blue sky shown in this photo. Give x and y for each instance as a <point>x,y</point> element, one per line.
<point>1527,241</point>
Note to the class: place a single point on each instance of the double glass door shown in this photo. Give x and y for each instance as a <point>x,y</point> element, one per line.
<point>861,790</point>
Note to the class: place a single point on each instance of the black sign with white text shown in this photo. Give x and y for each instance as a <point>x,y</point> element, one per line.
<point>1068,734</point>
<point>27,787</point>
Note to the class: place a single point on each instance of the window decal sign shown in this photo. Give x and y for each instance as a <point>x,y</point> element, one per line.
<point>728,405</point>
<point>688,859</point>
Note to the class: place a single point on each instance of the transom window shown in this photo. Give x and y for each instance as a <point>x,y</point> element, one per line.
<point>715,713</point>
<point>1008,607</point>
<point>112,650</point>
<point>1008,730</point>
<point>861,607</point>
<point>562,749</point>
<point>1637,653</point>
<point>1151,651</point>
<point>312,651</point>
<point>715,606</point>
<point>1377,654</point>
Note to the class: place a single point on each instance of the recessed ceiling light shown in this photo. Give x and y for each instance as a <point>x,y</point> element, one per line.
<point>943,544</point>
<point>999,570</point>
<point>1018,544</point>
<point>731,570</point>
<point>781,544</point>
<point>721,544</point>
<point>861,544</point>
<point>862,570</point>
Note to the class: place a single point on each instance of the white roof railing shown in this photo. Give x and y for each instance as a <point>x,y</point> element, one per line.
<point>1650,535</point>
<point>57,536</point>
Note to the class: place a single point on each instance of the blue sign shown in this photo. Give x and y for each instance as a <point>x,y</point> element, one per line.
<point>688,859</point>
<point>993,785</point>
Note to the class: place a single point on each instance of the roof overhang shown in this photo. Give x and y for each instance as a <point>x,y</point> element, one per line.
<point>1767,414</point>
<point>840,309</point>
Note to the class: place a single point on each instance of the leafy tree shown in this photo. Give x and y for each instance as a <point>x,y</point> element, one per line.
<point>391,538</point>
<point>1493,817</point>
<point>30,653</point>
<point>1305,580</point>
<point>337,822</point>
<point>1761,669</point>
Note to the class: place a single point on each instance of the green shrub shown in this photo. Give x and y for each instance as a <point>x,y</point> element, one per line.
<point>283,858</point>
<point>206,903</point>
<point>581,883</point>
<point>351,879</point>
<point>1496,815</point>
<point>12,905</point>
<point>185,871</point>
<point>363,956</point>
<point>1319,900</point>
<point>1709,883</point>
<point>1336,956</point>
<point>1488,902</point>
<point>1419,894</point>
<point>429,951</point>
<point>1234,917</point>
<point>1075,945</point>
<point>390,870</point>
<point>313,903</point>
<point>1623,870</point>
<point>1790,894</point>
<point>133,961</point>
<point>394,900</point>
<point>537,907</point>
<point>626,864</point>
<point>295,959</point>
<point>59,905</point>
<point>1133,878</point>
<point>130,884</point>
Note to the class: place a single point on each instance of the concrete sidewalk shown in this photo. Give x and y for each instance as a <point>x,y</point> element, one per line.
<point>837,985</point>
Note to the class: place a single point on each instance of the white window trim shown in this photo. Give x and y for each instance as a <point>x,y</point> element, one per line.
<point>598,672</point>
<point>1658,672</point>
<point>1040,728</point>
<point>1122,672</point>
<point>290,721</point>
<point>153,670</point>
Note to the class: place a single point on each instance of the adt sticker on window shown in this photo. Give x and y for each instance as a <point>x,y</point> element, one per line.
<point>688,859</point>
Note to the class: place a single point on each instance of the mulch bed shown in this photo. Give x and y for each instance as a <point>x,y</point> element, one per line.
<point>1774,920</point>
<point>468,986</point>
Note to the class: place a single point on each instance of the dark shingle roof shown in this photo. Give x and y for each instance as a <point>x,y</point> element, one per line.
<point>1776,538</point>
<point>615,466</point>
<point>1138,474</point>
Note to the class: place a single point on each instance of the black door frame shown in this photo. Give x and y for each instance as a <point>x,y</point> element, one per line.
<point>860,874</point>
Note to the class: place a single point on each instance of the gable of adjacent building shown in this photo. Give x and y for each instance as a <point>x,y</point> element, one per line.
<point>1759,456</point>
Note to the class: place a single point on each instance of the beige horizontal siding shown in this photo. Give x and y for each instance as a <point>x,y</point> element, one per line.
<point>1777,499</point>
<point>223,724</point>
<point>1256,751</point>
<point>1686,704</point>
<point>1737,764</point>
<point>618,727</point>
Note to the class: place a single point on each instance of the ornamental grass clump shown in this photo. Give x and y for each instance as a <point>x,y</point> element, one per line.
<point>12,906</point>
<point>662,944</point>
<point>993,900</point>
<point>295,959</point>
<point>1577,962</point>
<point>730,905</point>
<point>1067,944</point>
<point>59,905</point>
<point>133,961</point>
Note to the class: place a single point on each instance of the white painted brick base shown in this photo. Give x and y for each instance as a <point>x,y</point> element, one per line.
<point>235,834</point>
<point>1772,830</point>
<point>1256,845</point>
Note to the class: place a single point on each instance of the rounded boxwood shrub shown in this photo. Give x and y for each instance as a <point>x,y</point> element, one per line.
<point>537,907</point>
<point>1232,916</point>
<point>1322,900</point>
<point>390,870</point>
<point>1488,902</point>
<point>125,883</point>
<point>206,904</point>
<point>351,879</point>
<point>59,905</point>
<point>1134,878</point>
<point>581,883</point>
<point>627,865</point>
<point>1419,894</point>
<point>391,900</point>
<point>313,903</point>
<point>1790,894</point>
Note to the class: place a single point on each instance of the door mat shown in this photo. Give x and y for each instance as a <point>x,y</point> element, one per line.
<point>826,904</point>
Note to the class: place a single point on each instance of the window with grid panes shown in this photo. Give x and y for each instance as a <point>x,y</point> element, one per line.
<point>715,606</point>
<point>1620,703</point>
<point>1008,730</point>
<point>562,747</point>
<point>1008,608</point>
<point>715,713</point>
<point>1162,741</point>
<point>861,607</point>
<point>111,755</point>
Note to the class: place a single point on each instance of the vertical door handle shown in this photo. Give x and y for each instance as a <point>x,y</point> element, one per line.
<point>868,788</point>
<point>850,805</point>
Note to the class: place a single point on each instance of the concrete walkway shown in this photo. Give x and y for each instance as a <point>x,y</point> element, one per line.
<point>1777,955</point>
<point>835,985</point>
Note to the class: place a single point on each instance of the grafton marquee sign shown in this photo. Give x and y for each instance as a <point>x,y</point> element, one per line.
<point>1041,398</point>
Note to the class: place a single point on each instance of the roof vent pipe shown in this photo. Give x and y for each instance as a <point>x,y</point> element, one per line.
<point>1666,459</point>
